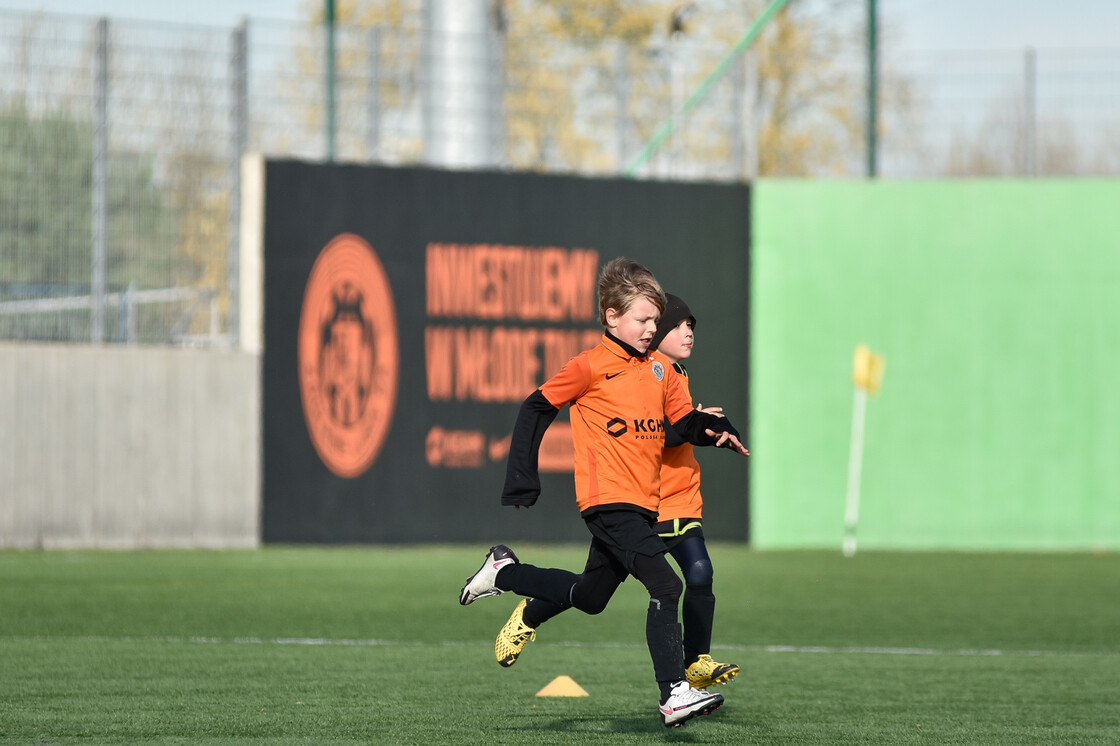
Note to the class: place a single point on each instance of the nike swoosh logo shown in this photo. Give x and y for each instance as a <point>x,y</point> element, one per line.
<point>609,376</point>
<point>666,710</point>
<point>502,563</point>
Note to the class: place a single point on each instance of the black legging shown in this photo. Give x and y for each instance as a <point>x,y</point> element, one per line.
<point>553,590</point>
<point>699,605</point>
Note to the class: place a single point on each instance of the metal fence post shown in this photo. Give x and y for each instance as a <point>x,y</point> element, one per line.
<point>1030,82</point>
<point>332,79</point>
<point>738,134</point>
<point>239,121</point>
<point>100,177</point>
<point>872,90</point>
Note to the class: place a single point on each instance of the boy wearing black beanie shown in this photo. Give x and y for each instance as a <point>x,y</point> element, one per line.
<point>679,514</point>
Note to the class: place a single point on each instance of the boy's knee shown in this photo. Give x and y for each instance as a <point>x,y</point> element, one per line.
<point>593,608</point>
<point>588,603</point>
<point>699,572</point>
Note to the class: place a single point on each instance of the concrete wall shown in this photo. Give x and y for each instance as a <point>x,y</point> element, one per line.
<point>126,447</point>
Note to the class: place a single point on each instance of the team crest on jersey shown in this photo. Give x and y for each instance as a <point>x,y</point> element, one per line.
<point>658,370</point>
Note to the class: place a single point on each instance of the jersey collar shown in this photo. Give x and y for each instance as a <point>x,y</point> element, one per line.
<point>623,348</point>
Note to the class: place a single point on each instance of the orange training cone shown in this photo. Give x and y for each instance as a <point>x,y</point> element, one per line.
<point>562,686</point>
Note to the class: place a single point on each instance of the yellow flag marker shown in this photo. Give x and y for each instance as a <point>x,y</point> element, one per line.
<point>563,686</point>
<point>867,375</point>
<point>867,369</point>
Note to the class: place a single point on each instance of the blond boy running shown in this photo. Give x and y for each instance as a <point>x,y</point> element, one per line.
<point>620,397</point>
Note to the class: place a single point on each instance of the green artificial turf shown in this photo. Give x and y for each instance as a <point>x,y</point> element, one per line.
<point>369,645</point>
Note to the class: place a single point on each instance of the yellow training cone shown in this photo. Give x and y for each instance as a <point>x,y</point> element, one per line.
<point>562,686</point>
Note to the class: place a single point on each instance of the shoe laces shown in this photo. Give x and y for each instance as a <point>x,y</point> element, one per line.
<point>705,662</point>
<point>684,691</point>
<point>524,633</point>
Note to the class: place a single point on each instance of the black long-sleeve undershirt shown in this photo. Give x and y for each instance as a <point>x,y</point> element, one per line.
<point>523,482</point>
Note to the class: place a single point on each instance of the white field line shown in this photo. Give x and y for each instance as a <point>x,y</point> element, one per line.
<point>318,641</point>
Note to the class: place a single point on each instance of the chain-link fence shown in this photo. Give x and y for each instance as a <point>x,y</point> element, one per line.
<point>120,142</point>
<point>1026,113</point>
<point>117,150</point>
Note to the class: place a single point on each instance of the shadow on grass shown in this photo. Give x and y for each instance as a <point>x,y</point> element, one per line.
<point>709,729</point>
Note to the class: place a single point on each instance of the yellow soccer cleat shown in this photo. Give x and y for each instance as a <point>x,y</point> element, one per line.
<point>513,637</point>
<point>705,672</point>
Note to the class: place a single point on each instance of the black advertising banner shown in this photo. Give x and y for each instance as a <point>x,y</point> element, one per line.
<point>408,312</point>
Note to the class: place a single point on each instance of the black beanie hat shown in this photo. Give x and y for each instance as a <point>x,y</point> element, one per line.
<point>676,311</point>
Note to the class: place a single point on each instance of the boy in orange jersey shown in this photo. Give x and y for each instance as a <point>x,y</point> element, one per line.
<point>678,519</point>
<point>678,525</point>
<point>620,397</point>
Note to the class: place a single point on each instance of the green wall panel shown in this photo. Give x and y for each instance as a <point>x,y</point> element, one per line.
<point>997,307</point>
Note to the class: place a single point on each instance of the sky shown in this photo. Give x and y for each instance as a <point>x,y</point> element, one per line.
<point>918,25</point>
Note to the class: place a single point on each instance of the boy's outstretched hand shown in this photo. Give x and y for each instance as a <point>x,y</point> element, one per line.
<point>727,440</point>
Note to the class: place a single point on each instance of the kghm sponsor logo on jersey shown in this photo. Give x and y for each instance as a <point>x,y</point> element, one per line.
<point>650,429</point>
<point>643,429</point>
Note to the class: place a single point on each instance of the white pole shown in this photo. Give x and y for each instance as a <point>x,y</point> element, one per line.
<point>459,84</point>
<point>855,461</point>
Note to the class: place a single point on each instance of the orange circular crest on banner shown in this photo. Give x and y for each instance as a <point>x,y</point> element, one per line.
<point>349,355</point>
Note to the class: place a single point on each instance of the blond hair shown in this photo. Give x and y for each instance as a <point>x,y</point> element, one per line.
<point>621,282</point>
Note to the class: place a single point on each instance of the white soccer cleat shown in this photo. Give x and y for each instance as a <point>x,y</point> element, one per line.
<point>481,584</point>
<point>685,703</point>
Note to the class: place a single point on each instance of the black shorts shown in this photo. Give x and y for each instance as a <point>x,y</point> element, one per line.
<point>623,534</point>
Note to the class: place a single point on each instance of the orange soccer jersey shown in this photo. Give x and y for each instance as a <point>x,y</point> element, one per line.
<point>680,474</point>
<point>618,408</point>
